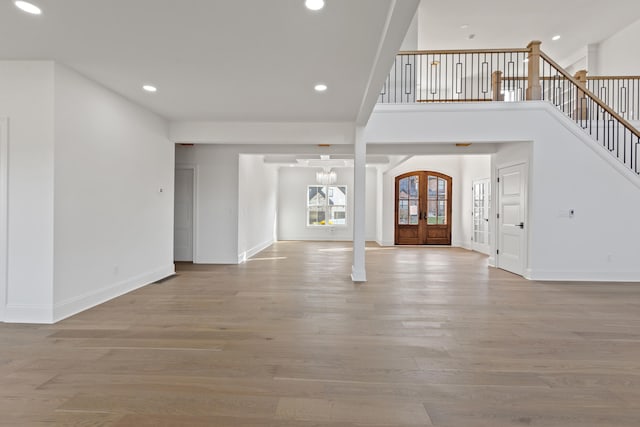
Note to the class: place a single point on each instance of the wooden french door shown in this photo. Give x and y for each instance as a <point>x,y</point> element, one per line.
<point>423,209</point>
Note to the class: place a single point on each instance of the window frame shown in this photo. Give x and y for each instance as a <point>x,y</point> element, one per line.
<point>327,206</point>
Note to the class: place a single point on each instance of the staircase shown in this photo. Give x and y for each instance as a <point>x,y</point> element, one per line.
<point>601,106</point>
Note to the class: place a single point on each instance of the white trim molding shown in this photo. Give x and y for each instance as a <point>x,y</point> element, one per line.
<point>358,275</point>
<point>4,214</point>
<point>244,256</point>
<point>37,314</point>
<point>83,302</point>
<point>582,276</point>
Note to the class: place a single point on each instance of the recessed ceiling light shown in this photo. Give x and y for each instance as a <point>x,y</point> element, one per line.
<point>28,7</point>
<point>464,26</point>
<point>314,4</point>
<point>554,38</point>
<point>150,88</point>
<point>320,87</point>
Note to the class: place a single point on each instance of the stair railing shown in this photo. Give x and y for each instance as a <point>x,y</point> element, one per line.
<point>588,111</point>
<point>436,76</point>
<point>622,93</point>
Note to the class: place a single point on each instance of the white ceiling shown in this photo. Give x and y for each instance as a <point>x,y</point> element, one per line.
<point>258,60</point>
<point>234,60</point>
<point>514,23</point>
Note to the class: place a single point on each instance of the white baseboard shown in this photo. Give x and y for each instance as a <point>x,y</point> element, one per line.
<point>491,261</point>
<point>217,261</point>
<point>358,275</point>
<point>17,313</point>
<point>453,244</point>
<point>315,238</point>
<point>244,256</point>
<point>583,276</point>
<point>83,302</point>
<point>463,245</point>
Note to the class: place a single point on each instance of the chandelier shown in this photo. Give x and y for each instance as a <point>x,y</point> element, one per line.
<point>326,177</point>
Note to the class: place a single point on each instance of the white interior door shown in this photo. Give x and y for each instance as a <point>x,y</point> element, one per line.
<point>183,215</point>
<point>512,236</point>
<point>480,215</point>
<point>4,206</point>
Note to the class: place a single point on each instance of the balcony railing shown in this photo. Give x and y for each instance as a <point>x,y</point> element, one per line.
<point>454,76</point>
<point>519,75</point>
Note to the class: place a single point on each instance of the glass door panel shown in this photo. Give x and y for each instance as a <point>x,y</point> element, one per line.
<point>480,215</point>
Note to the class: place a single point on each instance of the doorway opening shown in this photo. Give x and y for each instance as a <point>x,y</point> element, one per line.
<point>184,214</point>
<point>423,208</point>
<point>4,203</point>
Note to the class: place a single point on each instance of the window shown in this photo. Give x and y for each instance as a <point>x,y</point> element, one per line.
<point>326,205</point>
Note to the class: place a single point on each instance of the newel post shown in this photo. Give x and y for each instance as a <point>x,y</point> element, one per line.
<point>496,86</point>
<point>534,90</point>
<point>581,101</point>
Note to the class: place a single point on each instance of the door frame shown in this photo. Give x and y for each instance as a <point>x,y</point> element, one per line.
<point>486,247</point>
<point>496,209</point>
<point>423,207</point>
<point>4,215</point>
<point>194,237</point>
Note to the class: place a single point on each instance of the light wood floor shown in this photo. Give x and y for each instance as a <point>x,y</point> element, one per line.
<point>435,337</point>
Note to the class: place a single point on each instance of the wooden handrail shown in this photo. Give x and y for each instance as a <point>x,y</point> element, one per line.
<point>613,77</point>
<point>591,95</point>
<point>526,78</point>
<point>455,100</point>
<point>444,52</point>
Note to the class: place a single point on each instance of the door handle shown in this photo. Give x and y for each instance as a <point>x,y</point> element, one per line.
<point>521,225</point>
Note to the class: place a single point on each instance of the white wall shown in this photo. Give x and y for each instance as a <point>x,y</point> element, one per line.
<point>292,188</point>
<point>27,101</point>
<point>619,54</point>
<point>113,195</point>
<point>257,205</point>
<point>217,201</point>
<point>601,241</point>
<point>86,219</point>
<point>567,170</point>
